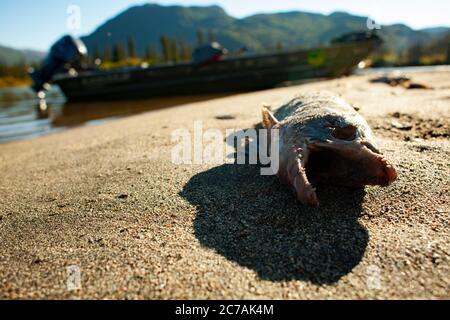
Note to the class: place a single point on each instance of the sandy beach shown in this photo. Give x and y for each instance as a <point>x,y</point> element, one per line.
<point>108,200</point>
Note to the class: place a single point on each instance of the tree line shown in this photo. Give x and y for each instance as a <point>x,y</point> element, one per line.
<point>179,50</point>
<point>433,53</point>
<point>17,70</point>
<point>170,49</point>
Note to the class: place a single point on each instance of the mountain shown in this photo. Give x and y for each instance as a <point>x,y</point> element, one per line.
<point>437,31</point>
<point>260,32</point>
<point>10,56</point>
<point>33,56</point>
<point>147,23</point>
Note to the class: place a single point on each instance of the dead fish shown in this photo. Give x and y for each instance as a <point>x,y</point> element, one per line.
<point>322,139</point>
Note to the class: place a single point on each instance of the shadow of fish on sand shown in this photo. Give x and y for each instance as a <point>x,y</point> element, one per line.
<point>256,222</point>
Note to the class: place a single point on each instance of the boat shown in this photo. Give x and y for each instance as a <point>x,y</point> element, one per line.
<point>209,74</point>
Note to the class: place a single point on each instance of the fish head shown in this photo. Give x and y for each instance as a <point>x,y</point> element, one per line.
<point>341,149</point>
<point>326,143</point>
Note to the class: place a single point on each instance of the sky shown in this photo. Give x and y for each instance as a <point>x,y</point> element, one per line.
<point>35,24</point>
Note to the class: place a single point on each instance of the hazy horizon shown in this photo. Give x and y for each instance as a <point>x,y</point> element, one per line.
<point>40,24</point>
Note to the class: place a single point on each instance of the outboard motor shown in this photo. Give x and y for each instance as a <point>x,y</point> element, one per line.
<point>208,53</point>
<point>67,52</point>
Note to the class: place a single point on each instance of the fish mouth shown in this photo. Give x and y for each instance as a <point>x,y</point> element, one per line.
<point>353,164</point>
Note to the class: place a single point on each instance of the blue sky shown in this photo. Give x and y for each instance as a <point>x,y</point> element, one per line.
<point>37,24</point>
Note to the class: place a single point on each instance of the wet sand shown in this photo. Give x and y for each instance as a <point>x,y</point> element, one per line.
<point>108,199</point>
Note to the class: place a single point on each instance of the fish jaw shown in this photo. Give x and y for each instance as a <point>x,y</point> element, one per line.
<point>358,163</point>
<point>305,163</point>
<point>292,172</point>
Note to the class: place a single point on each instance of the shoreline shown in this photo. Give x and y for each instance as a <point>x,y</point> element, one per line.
<point>11,82</point>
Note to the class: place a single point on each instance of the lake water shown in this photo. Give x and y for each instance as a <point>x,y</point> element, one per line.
<point>21,116</point>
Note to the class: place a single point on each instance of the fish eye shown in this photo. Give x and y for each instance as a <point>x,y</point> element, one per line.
<point>347,133</point>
